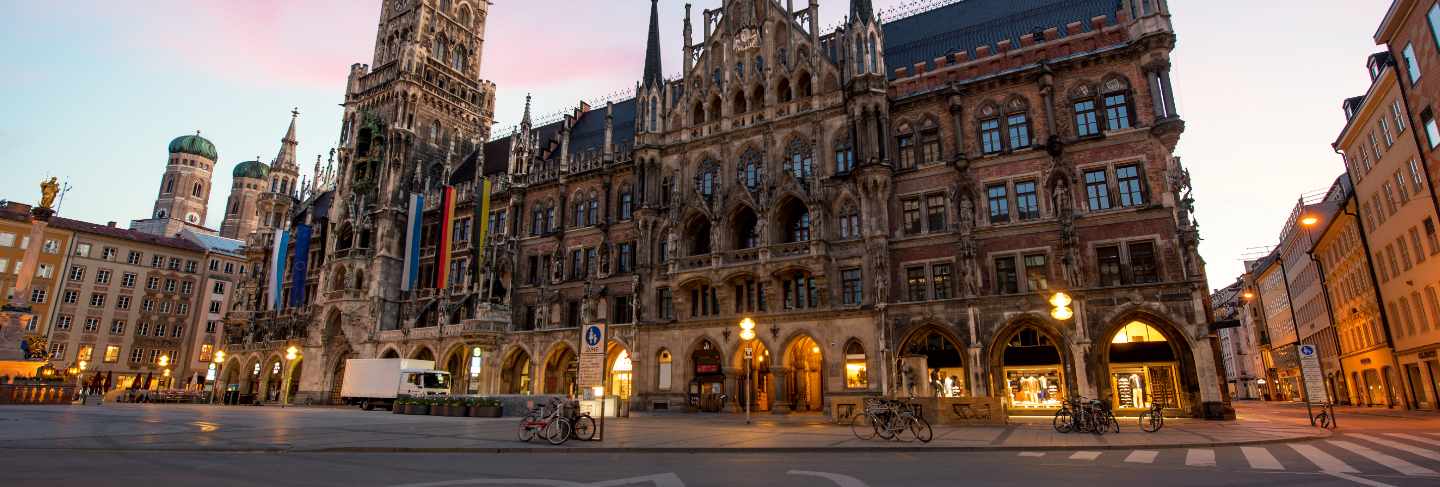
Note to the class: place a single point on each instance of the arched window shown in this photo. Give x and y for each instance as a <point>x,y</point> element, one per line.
<point>855,367</point>
<point>859,54</point>
<point>627,203</point>
<point>799,159</point>
<point>442,48</point>
<point>169,185</point>
<point>197,190</point>
<point>664,369</point>
<point>905,146</point>
<point>849,222</point>
<point>235,208</point>
<point>739,104</point>
<point>577,217</point>
<point>844,158</point>
<point>697,117</point>
<point>874,55</point>
<point>593,217</point>
<point>445,7</point>
<point>652,112</point>
<point>796,218</point>
<point>749,169</point>
<point>465,15</point>
<point>706,180</point>
<point>435,131</point>
<point>337,281</point>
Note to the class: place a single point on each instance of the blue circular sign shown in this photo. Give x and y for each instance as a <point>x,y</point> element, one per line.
<point>592,335</point>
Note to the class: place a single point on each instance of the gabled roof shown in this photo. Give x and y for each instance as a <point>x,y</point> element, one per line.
<point>963,26</point>
<point>124,234</point>
<point>589,131</point>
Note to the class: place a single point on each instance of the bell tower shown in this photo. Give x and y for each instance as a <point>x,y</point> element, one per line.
<point>184,194</point>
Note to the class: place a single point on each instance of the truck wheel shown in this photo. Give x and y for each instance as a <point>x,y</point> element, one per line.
<point>365,405</point>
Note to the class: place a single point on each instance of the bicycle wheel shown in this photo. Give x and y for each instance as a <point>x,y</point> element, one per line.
<point>883,425</point>
<point>584,428</point>
<point>527,432</point>
<point>863,426</point>
<point>1325,421</point>
<point>1150,422</point>
<point>921,429</point>
<point>1113,423</point>
<point>558,431</point>
<point>1064,422</point>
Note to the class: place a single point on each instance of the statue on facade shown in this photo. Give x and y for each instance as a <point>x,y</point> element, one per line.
<point>672,245</point>
<point>967,214</point>
<point>557,266</point>
<point>1061,200</point>
<point>604,263</point>
<point>636,295</point>
<point>49,189</point>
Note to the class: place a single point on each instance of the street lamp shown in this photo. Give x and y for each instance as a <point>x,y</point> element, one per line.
<point>219,369</point>
<point>747,333</point>
<point>291,353</point>
<point>165,364</point>
<point>1061,303</point>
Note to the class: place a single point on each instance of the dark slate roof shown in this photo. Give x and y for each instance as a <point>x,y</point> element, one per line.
<point>589,132</point>
<point>965,25</point>
<point>497,155</point>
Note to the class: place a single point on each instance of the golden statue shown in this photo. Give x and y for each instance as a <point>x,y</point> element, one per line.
<point>48,190</point>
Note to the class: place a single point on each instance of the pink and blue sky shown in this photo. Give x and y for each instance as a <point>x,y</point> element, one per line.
<point>94,90</point>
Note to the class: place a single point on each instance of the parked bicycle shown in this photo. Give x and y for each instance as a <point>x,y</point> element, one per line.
<point>1326,417</point>
<point>890,420</point>
<point>1085,416</point>
<point>548,421</point>
<point>1154,419</point>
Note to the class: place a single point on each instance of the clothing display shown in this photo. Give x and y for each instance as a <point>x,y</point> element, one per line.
<point>1034,388</point>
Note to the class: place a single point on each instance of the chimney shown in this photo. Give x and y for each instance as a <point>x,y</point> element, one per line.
<point>110,224</point>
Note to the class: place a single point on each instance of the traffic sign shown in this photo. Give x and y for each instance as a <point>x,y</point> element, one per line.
<point>591,371</point>
<point>1312,374</point>
<point>592,338</point>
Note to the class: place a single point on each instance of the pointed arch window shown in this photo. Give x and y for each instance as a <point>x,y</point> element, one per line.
<point>197,190</point>
<point>749,169</point>
<point>849,222</point>
<point>593,217</point>
<point>169,185</point>
<point>627,203</point>
<point>653,103</point>
<point>707,179</point>
<point>844,158</point>
<point>874,55</point>
<point>800,157</point>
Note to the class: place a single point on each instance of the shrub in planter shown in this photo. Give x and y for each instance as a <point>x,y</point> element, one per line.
<point>420,407</point>
<point>486,407</point>
<point>400,406</point>
<point>459,407</point>
<point>438,407</point>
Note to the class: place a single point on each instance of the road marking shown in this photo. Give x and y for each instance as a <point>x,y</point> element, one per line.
<point>657,480</point>
<point>1359,480</point>
<point>1142,456</point>
<point>1085,455</point>
<point>1414,450</point>
<point>1395,464</point>
<point>840,480</point>
<point>1325,461</point>
<point>1404,436</point>
<point>1260,458</point>
<point>1032,453</point>
<point>1200,457</point>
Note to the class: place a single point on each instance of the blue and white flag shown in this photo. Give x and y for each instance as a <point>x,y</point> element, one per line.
<point>411,273</point>
<point>299,263</point>
<point>277,268</point>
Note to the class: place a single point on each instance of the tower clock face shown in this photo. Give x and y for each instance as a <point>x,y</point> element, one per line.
<point>192,218</point>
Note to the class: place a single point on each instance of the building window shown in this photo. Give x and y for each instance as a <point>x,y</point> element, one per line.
<point>801,292</point>
<point>916,283</point>
<point>1431,236</point>
<point>1132,192</point>
<point>127,280</point>
<point>1037,272</point>
<point>849,223</point>
<point>1143,264</point>
<point>92,325</point>
<point>1019,126</point>
<point>999,203</point>
<point>940,280</point>
<point>77,273</point>
<point>1412,65</point>
<point>666,302</point>
<point>38,295</point>
<point>627,204</point>
<point>1085,119</point>
<point>63,322</point>
<point>1097,190</point>
<point>112,354</point>
<point>855,374</point>
<point>930,146</point>
<point>1417,181</point>
<point>622,312</point>
<point>1027,204</point>
<point>911,215</point>
<point>1397,112</point>
<point>97,300</point>
<point>906,144</point>
<point>1006,280</point>
<point>117,327</point>
<point>1117,111</point>
<point>1107,260</point>
<point>851,287</point>
<point>57,351</point>
<point>82,250</point>
<point>102,276</point>
<point>122,302</point>
<point>70,296</point>
<point>844,159</point>
<point>935,213</point>
<point>625,260</point>
<point>990,136</point>
<point>1432,131</point>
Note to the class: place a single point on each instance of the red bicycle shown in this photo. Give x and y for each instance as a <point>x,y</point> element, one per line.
<point>553,425</point>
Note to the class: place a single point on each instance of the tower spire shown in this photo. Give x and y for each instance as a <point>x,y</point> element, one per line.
<point>861,10</point>
<point>525,121</point>
<point>286,157</point>
<point>654,76</point>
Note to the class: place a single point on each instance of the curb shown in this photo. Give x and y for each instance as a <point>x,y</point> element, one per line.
<point>696,450</point>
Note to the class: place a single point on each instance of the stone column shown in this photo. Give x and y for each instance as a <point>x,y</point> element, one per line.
<point>1157,100</point>
<point>732,388</point>
<point>780,402</point>
<point>1169,91</point>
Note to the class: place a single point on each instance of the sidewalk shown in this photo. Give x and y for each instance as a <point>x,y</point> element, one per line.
<point>129,427</point>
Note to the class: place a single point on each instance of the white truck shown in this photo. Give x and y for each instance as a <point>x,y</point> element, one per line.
<point>377,382</point>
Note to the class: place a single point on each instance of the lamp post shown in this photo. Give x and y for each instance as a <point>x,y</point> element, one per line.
<point>219,372</point>
<point>165,375</point>
<point>747,333</point>
<point>291,354</point>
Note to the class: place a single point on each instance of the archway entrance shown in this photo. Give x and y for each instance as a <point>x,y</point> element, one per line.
<point>1143,368</point>
<point>707,389</point>
<point>455,365</point>
<point>1033,372</point>
<point>337,379</point>
<point>294,381</point>
<point>515,375</point>
<point>621,381</point>
<point>754,385</point>
<point>424,353</point>
<point>251,386</point>
<point>805,389</point>
<point>944,364</point>
<point>273,380</point>
<point>391,353</point>
<point>560,371</point>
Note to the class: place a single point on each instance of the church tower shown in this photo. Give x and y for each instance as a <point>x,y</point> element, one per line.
<point>184,188</point>
<point>409,117</point>
<point>242,215</point>
<point>280,193</point>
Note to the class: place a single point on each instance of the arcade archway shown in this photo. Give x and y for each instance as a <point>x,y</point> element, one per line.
<point>560,371</point>
<point>804,385</point>
<point>515,374</point>
<point>943,371</point>
<point>755,381</point>
<point>1032,369</point>
<point>1143,368</point>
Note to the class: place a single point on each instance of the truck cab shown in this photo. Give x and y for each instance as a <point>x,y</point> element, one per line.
<point>419,382</point>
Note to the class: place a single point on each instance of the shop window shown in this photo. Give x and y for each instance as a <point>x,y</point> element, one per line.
<point>1033,373</point>
<point>665,370</point>
<point>855,366</point>
<point>1142,368</point>
<point>943,371</point>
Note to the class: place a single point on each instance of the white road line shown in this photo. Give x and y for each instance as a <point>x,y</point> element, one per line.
<point>1404,436</point>
<point>1260,458</point>
<point>1405,447</point>
<point>840,480</point>
<point>1325,461</point>
<point>1359,480</point>
<point>1085,455</point>
<point>1395,464</point>
<point>1142,456</point>
<point>1032,453</point>
<point>1200,457</point>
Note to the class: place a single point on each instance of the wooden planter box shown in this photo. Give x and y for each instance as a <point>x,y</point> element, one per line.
<point>420,409</point>
<point>486,411</point>
<point>439,410</point>
<point>399,408</point>
<point>457,411</point>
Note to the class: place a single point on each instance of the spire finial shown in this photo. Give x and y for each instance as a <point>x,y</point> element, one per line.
<point>653,74</point>
<point>294,112</point>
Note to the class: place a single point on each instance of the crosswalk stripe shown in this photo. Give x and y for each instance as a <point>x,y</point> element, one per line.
<point>1395,464</point>
<point>1200,457</point>
<point>1032,453</point>
<point>1404,436</point>
<point>1142,456</point>
<point>1405,447</point>
<point>1085,455</point>
<point>1325,461</point>
<point>1260,458</point>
